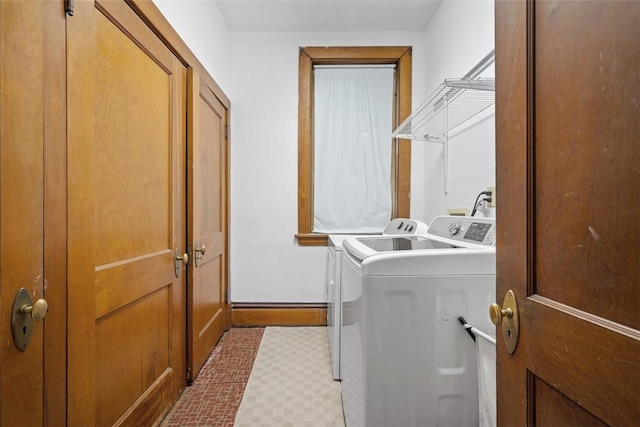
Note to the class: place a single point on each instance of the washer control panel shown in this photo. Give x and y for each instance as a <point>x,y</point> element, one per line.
<point>481,231</point>
<point>454,228</point>
<point>405,226</point>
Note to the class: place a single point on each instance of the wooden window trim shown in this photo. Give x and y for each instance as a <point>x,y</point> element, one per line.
<point>401,173</point>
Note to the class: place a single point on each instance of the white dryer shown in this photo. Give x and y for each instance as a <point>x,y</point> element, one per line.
<point>398,226</point>
<point>406,359</point>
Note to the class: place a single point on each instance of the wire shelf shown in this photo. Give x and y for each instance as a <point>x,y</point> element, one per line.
<point>452,103</point>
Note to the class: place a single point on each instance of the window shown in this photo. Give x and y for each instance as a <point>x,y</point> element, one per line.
<point>352,148</point>
<point>400,57</point>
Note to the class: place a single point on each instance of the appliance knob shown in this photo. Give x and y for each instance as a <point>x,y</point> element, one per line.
<point>454,228</point>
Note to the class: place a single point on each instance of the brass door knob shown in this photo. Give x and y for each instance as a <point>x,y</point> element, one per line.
<point>37,311</point>
<point>497,313</point>
<point>184,258</point>
<point>24,315</point>
<point>507,319</point>
<point>176,261</point>
<point>200,251</point>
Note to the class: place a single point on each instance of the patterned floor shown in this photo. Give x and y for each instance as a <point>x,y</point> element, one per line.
<point>290,383</point>
<point>214,397</point>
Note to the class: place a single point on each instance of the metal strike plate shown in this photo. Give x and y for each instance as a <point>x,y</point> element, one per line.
<point>21,323</point>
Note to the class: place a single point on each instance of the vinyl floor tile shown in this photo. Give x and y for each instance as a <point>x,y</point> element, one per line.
<point>216,393</point>
<point>283,375</point>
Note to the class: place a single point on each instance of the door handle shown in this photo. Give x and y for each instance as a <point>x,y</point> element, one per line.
<point>507,317</point>
<point>24,315</point>
<point>497,313</point>
<point>178,260</point>
<point>37,311</point>
<point>200,251</point>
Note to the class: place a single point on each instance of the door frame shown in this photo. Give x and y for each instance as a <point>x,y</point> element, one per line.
<point>51,121</point>
<point>55,219</point>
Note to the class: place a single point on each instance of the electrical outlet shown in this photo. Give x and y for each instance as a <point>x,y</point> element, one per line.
<point>492,204</point>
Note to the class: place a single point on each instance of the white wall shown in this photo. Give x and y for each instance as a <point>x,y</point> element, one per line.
<point>266,262</point>
<point>259,73</point>
<point>459,35</point>
<point>201,26</point>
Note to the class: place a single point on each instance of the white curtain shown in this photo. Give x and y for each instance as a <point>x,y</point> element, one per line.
<point>352,149</point>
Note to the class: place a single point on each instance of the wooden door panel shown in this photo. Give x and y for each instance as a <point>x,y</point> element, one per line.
<point>149,275</point>
<point>554,409</point>
<point>21,203</point>
<point>601,384</point>
<point>209,184</point>
<point>135,198</point>
<point>208,312</point>
<point>133,194</point>
<point>567,172</point>
<point>140,358</point>
<point>133,125</point>
<point>586,151</point>
<point>208,321</point>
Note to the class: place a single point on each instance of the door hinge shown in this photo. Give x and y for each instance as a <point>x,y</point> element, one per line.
<point>226,296</point>
<point>226,131</point>
<point>68,7</point>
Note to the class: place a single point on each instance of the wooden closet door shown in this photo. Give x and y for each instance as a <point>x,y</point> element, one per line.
<point>32,206</point>
<point>568,179</point>
<point>208,311</point>
<point>127,109</point>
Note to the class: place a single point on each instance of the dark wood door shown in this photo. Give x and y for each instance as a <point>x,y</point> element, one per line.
<point>568,181</point>
<point>208,311</point>
<point>32,207</point>
<point>127,139</point>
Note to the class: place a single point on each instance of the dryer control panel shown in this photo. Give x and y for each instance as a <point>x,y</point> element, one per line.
<point>481,231</point>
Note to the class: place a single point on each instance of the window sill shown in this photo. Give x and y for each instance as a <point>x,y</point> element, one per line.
<point>312,239</point>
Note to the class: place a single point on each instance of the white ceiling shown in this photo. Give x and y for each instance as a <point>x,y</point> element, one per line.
<point>327,15</point>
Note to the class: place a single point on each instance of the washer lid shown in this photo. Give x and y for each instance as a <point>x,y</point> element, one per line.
<point>364,247</point>
<point>402,243</point>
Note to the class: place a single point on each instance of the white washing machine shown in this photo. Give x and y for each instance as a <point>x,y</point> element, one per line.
<point>398,226</point>
<point>406,359</point>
